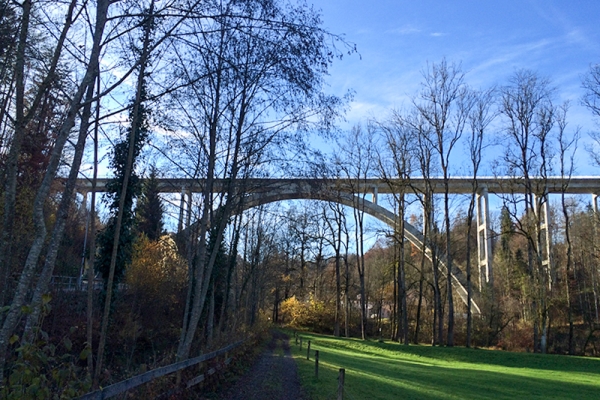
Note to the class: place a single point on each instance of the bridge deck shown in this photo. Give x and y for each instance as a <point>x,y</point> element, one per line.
<point>575,185</point>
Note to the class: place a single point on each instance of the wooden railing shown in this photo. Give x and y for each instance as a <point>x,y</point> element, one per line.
<point>128,384</point>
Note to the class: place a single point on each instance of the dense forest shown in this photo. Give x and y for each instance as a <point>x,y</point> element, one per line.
<point>225,91</point>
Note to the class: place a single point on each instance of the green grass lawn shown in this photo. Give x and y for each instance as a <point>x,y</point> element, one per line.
<point>389,370</point>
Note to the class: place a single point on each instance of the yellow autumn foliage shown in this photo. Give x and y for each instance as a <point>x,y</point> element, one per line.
<point>156,267</point>
<point>314,314</point>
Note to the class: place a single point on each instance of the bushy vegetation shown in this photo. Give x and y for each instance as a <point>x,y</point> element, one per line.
<point>315,315</point>
<point>46,367</point>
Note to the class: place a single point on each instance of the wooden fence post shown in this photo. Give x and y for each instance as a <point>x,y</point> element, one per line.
<point>317,364</point>
<point>308,351</point>
<point>341,378</point>
<point>300,343</point>
<point>296,337</point>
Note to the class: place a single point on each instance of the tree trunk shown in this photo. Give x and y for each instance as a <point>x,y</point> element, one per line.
<point>225,312</point>
<point>210,321</point>
<point>438,303</point>
<point>346,291</point>
<point>338,281</point>
<point>136,120</point>
<point>401,276</point>
<point>10,184</point>
<point>61,219</point>
<point>395,319</point>
<point>40,231</point>
<point>568,273</point>
<point>468,270</point>
<point>360,264</point>
<point>420,300</point>
<point>450,336</point>
<point>92,253</point>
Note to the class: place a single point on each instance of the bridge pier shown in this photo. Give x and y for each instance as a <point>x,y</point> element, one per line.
<point>542,210</point>
<point>484,240</point>
<point>427,202</point>
<point>84,196</point>
<point>188,218</point>
<point>185,212</point>
<point>181,208</point>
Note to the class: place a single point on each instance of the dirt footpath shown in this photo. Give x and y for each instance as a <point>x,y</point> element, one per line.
<point>273,376</point>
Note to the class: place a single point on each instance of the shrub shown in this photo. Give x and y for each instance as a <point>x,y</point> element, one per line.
<point>316,315</point>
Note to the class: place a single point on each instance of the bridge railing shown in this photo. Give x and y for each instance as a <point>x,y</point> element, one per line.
<point>72,283</point>
<point>66,283</point>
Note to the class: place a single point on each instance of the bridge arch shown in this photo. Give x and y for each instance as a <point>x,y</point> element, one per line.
<point>411,233</point>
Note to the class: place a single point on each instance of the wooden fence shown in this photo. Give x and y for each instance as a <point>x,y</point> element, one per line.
<point>340,391</point>
<point>138,380</point>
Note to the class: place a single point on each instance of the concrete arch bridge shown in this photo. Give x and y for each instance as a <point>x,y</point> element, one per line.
<point>351,193</point>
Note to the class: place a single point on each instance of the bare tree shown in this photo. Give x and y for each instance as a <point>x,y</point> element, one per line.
<point>357,163</point>
<point>480,116</point>
<point>400,152</point>
<point>591,84</point>
<point>591,100</point>
<point>529,116</point>
<point>444,104</point>
<point>426,165</point>
<point>336,223</point>
<point>244,95</point>
<point>567,148</point>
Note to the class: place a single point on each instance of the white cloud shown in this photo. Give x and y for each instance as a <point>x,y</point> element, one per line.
<point>404,30</point>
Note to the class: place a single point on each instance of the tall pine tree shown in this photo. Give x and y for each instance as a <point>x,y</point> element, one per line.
<point>150,209</point>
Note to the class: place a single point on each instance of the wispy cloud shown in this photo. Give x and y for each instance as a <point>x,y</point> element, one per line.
<point>404,30</point>
<point>573,33</point>
<point>578,37</point>
<point>510,53</point>
<point>413,30</point>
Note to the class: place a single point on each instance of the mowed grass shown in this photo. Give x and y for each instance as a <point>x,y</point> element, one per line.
<point>389,370</point>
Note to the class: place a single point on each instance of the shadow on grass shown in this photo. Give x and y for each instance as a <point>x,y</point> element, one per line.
<point>549,362</point>
<point>387,371</point>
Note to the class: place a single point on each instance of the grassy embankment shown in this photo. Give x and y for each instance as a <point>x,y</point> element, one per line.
<point>388,370</point>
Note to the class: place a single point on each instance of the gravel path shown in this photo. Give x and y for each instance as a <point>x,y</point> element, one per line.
<point>273,376</point>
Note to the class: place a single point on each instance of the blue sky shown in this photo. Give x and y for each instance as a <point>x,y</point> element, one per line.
<point>492,39</point>
<point>559,39</point>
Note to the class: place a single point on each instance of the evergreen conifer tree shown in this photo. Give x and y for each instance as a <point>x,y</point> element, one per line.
<point>150,209</point>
